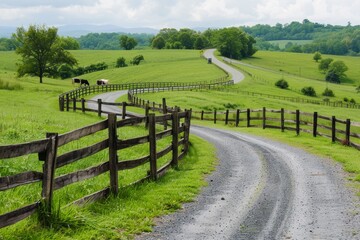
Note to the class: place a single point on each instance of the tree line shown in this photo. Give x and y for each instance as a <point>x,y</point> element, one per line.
<point>231,42</point>
<point>327,39</point>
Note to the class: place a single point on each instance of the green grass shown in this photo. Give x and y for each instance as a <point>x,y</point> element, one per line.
<point>303,65</point>
<point>29,111</point>
<point>133,211</point>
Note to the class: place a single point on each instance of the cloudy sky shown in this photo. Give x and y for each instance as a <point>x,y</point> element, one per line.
<point>176,13</point>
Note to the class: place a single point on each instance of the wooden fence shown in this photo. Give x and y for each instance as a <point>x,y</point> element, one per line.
<point>47,150</point>
<point>344,131</point>
<point>66,98</point>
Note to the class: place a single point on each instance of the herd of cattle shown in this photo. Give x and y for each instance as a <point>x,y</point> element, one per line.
<point>86,82</point>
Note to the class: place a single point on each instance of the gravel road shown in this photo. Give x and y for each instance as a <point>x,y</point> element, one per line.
<point>262,189</point>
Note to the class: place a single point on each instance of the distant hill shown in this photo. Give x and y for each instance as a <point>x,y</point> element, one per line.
<point>81,30</point>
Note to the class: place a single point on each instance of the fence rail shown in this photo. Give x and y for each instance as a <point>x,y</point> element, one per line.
<point>339,130</point>
<point>47,150</point>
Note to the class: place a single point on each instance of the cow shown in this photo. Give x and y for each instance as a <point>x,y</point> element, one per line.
<point>102,82</point>
<point>84,82</point>
<point>76,80</point>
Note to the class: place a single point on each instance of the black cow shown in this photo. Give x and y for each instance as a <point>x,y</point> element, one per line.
<point>84,82</point>
<point>76,80</point>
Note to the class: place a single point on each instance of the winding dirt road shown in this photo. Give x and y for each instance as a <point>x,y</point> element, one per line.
<point>263,190</point>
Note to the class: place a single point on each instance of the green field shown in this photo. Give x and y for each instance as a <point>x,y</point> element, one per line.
<point>31,110</point>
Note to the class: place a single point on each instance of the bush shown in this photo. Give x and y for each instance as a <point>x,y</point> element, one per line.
<point>282,84</point>
<point>309,91</point>
<point>328,93</point>
<point>352,101</point>
<point>121,62</point>
<point>136,60</point>
<point>346,99</point>
<point>332,77</point>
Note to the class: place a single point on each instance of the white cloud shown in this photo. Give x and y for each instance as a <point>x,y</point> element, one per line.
<point>176,13</point>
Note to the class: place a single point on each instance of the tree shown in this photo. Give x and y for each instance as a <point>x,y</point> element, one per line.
<point>158,42</point>
<point>136,60</point>
<point>324,64</point>
<point>234,43</point>
<point>41,51</point>
<point>127,43</point>
<point>317,56</point>
<point>339,68</point>
<point>121,62</point>
<point>309,91</point>
<point>282,84</point>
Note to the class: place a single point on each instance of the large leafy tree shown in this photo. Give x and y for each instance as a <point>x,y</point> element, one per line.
<point>234,43</point>
<point>127,43</point>
<point>41,51</point>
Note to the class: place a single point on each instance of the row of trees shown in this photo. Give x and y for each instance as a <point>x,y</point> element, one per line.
<point>328,39</point>
<point>231,42</point>
<point>334,70</point>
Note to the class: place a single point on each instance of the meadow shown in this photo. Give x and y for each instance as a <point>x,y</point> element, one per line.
<point>282,43</point>
<point>31,110</point>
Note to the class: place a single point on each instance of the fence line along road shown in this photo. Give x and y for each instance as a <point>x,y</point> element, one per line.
<point>47,150</point>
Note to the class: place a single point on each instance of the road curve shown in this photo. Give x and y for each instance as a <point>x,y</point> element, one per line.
<point>237,76</point>
<point>262,189</point>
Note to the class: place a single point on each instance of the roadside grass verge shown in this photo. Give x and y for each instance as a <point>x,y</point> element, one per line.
<point>133,210</point>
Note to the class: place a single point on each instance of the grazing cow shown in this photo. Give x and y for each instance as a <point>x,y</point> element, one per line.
<point>84,82</point>
<point>76,80</point>
<point>102,82</point>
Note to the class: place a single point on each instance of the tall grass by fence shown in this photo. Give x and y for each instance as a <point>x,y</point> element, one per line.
<point>47,150</point>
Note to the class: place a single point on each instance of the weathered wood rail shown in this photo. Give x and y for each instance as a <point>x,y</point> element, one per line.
<point>47,150</point>
<point>344,131</point>
<point>67,98</point>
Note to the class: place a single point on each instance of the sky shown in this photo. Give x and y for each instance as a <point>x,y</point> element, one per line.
<point>177,13</point>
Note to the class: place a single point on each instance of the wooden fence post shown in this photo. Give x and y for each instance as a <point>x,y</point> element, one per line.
<point>248,117</point>
<point>74,104</point>
<point>315,124</point>
<point>333,129</point>
<point>297,122</point>
<point>227,117</point>
<point>237,121</point>
<point>282,124</point>
<point>113,158</point>
<point>187,130</point>
<point>61,103</point>
<point>215,116</point>
<point>83,105</point>
<point>147,108</point>
<point>99,107</point>
<point>123,112</point>
<point>152,145</point>
<point>347,137</point>
<point>164,109</point>
<point>202,115</point>
<point>264,118</point>
<point>175,138</point>
<point>67,102</point>
<point>49,171</point>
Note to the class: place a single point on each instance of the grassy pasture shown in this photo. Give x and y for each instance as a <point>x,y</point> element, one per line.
<point>29,113</point>
<point>302,64</point>
<point>32,110</point>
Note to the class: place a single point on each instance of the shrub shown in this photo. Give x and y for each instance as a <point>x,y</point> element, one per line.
<point>136,60</point>
<point>352,101</point>
<point>328,93</point>
<point>346,99</point>
<point>282,84</point>
<point>332,77</point>
<point>309,91</point>
<point>121,62</point>
<point>9,86</point>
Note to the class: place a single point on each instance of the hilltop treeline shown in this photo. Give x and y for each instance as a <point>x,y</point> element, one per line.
<point>327,39</point>
<point>111,41</point>
<point>92,41</point>
<point>231,42</point>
